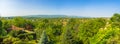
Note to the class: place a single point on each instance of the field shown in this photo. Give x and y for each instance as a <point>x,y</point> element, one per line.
<point>20,30</point>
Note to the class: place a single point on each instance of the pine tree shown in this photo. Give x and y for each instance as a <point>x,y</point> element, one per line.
<point>43,39</point>
<point>67,37</point>
<point>0,28</point>
<point>2,31</point>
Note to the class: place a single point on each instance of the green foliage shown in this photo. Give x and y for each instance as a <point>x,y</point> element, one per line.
<point>2,31</point>
<point>67,37</point>
<point>19,21</point>
<point>60,30</point>
<point>43,39</point>
<point>10,40</point>
<point>0,23</point>
<point>115,20</point>
<point>89,28</point>
<point>116,17</point>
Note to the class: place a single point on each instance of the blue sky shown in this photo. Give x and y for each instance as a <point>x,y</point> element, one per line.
<point>92,8</point>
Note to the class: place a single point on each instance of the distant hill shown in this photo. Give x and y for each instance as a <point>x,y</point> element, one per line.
<point>53,16</point>
<point>48,16</point>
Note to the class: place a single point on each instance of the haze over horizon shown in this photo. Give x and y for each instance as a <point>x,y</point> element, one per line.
<point>92,8</point>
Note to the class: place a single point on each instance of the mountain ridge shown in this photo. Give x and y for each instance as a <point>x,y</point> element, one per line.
<point>50,16</point>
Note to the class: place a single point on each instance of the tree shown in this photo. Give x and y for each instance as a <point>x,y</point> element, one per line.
<point>43,39</point>
<point>90,28</point>
<point>19,21</point>
<point>2,31</point>
<point>115,17</point>
<point>67,37</point>
<point>115,20</point>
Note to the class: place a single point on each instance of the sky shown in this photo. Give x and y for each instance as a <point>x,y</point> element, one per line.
<point>89,8</point>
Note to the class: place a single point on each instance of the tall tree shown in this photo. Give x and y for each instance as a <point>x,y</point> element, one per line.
<point>43,39</point>
<point>2,31</point>
<point>115,17</point>
<point>115,20</point>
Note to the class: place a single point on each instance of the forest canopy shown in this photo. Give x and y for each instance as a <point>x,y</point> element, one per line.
<point>20,30</point>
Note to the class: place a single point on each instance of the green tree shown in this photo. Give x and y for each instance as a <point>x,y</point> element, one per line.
<point>115,20</point>
<point>2,31</point>
<point>115,17</point>
<point>19,21</point>
<point>43,39</point>
<point>67,37</point>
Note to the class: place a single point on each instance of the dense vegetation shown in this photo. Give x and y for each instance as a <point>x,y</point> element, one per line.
<point>20,30</point>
